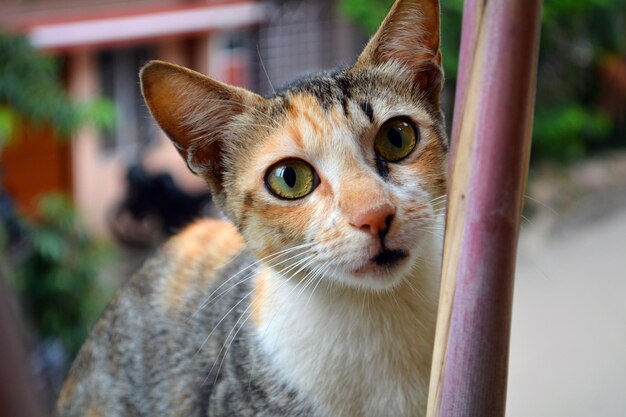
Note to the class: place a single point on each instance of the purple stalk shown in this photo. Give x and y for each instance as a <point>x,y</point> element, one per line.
<point>489,163</point>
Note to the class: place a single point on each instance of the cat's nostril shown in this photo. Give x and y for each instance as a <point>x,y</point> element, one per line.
<point>382,233</point>
<point>375,221</point>
<point>388,221</point>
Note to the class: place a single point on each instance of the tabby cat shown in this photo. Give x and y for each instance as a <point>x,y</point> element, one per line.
<point>319,299</point>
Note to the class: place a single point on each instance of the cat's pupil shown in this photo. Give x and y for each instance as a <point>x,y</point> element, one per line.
<point>289,176</point>
<point>394,137</point>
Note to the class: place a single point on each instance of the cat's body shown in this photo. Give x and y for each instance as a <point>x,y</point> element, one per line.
<point>320,301</point>
<point>176,373</point>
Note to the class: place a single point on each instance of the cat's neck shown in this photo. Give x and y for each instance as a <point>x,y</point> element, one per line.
<point>356,353</point>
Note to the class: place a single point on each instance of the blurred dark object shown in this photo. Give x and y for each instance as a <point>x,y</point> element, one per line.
<point>154,206</point>
<point>612,72</point>
<point>50,361</point>
<point>9,220</point>
<point>17,398</point>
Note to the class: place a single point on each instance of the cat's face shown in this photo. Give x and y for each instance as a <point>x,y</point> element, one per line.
<point>342,175</point>
<point>357,173</point>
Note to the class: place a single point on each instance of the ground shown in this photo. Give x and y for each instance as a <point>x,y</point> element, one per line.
<point>568,345</point>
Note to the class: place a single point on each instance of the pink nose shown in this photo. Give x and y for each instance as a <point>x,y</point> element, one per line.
<point>375,221</point>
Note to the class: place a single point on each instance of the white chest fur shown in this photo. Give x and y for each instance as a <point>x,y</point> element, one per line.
<point>354,354</point>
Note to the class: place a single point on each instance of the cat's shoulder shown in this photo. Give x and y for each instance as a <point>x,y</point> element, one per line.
<point>188,265</point>
<point>146,320</point>
<point>207,240</point>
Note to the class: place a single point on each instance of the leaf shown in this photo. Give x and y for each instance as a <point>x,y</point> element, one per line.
<point>30,86</point>
<point>6,126</point>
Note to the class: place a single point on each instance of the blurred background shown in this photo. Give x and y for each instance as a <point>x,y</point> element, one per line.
<point>89,186</point>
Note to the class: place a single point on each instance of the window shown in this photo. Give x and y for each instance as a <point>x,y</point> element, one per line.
<point>119,81</point>
<point>229,59</point>
<point>300,38</point>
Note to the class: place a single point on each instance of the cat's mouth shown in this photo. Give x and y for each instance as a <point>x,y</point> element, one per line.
<point>389,257</point>
<point>386,259</point>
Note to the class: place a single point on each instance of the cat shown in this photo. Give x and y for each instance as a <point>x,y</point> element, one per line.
<point>320,297</point>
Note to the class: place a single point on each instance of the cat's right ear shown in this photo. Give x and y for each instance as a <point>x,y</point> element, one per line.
<point>410,36</point>
<point>195,112</point>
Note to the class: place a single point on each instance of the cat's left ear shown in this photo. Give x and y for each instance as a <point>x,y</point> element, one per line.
<point>198,114</point>
<point>410,36</point>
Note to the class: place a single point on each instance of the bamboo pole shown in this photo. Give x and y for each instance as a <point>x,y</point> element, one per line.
<point>489,164</point>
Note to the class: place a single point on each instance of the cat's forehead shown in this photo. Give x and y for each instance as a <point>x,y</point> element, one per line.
<point>332,115</point>
<point>348,102</point>
<point>388,82</point>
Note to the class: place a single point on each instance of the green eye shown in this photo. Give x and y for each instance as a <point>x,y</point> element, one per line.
<point>291,179</point>
<point>396,139</point>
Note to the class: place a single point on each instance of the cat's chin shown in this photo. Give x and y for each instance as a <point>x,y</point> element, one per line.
<point>383,271</point>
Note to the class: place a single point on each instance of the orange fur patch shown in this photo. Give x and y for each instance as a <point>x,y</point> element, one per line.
<point>431,166</point>
<point>259,298</point>
<point>308,108</point>
<point>337,116</point>
<point>324,189</point>
<point>361,196</point>
<point>67,392</point>
<point>207,244</point>
<point>294,133</point>
<point>94,412</point>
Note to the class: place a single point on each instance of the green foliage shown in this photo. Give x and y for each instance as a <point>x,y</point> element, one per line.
<point>576,35</point>
<point>564,133</point>
<point>452,15</point>
<point>30,88</point>
<point>57,278</point>
<point>369,14</point>
<point>6,125</point>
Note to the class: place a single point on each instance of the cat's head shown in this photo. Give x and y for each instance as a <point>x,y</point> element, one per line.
<point>342,174</point>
